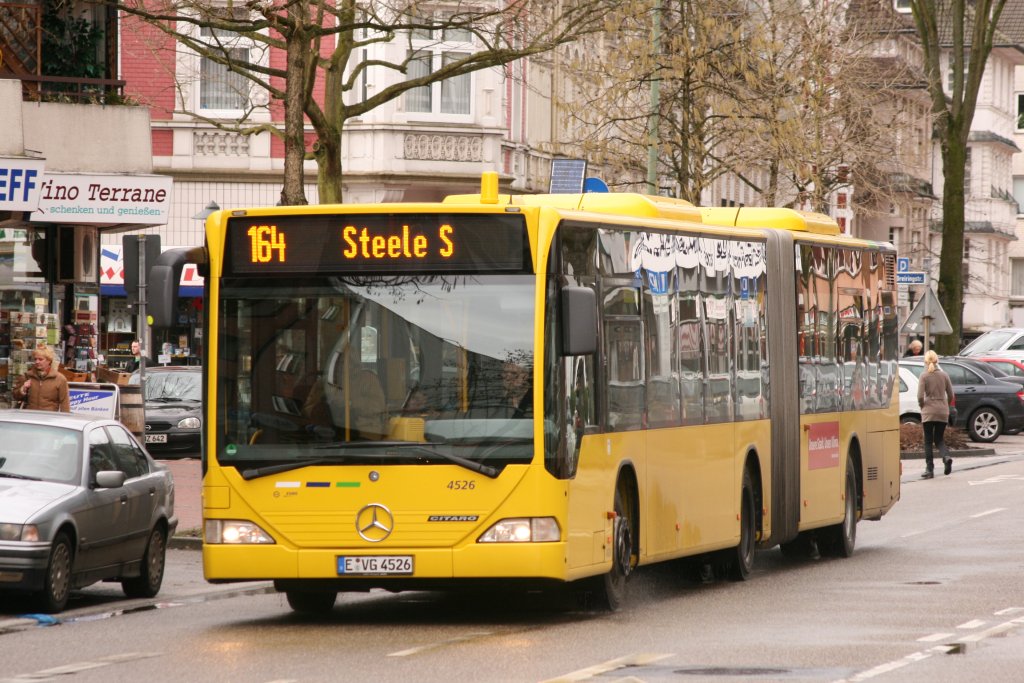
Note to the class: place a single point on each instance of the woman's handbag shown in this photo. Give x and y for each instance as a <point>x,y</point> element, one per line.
<point>952,415</point>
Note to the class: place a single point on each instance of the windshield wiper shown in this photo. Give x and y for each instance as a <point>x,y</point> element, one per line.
<point>19,476</point>
<point>473,465</point>
<point>257,472</point>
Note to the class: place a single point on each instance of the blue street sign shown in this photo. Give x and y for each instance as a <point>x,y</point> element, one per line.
<point>910,278</point>
<point>902,264</point>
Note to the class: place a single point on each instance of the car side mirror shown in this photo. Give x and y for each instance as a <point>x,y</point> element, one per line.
<point>110,479</point>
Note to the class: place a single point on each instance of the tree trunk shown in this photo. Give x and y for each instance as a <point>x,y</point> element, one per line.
<point>293,191</point>
<point>951,281</point>
<point>327,150</point>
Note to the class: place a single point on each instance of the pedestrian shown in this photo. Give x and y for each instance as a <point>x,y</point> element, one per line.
<point>934,396</point>
<point>43,387</point>
<point>914,348</point>
<point>138,360</point>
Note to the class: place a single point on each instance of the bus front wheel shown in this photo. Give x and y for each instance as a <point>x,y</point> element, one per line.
<point>610,589</point>
<point>311,602</point>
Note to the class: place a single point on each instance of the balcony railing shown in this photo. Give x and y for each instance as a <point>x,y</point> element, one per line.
<point>73,90</point>
<point>22,58</point>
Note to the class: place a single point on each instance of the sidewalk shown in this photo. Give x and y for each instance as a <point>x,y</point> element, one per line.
<point>188,504</point>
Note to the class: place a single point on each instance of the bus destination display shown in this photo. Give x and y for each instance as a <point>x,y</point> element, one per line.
<point>376,242</point>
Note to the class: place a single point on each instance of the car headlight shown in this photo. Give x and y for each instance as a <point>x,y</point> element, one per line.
<point>234,531</point>
<point>189,423</point>
<point>523,530</point>
<point>19,532</point>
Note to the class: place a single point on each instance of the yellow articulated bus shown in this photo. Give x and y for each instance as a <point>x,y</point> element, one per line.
<point>535,390</point>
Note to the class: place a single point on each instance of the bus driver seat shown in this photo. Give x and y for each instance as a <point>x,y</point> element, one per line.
<point>364,410</point>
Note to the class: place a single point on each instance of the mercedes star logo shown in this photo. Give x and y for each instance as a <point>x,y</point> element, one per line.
<point>374,523</point>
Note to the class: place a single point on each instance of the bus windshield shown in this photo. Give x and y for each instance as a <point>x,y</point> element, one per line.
<point>374,369</point>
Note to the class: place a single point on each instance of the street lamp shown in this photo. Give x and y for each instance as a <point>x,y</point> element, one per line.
<point>207,210</point>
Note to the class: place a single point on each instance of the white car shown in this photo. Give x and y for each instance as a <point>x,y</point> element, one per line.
<point>1009,339</point>
<point>909,410</point>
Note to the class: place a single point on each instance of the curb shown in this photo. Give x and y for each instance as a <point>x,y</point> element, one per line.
<point>189,542</point>
<point>953,453</point>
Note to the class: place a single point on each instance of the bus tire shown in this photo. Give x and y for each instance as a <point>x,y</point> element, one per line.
<point>311,602</point>
<point>840,539</point>
<point>609,589</point>
<point>741,560</point>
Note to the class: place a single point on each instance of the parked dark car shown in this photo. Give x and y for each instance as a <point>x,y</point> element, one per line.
<point>986,406</point>
<point>173,398</point>
<point>80,501</point>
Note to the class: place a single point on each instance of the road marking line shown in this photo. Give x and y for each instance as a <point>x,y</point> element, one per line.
<point>994,631</point>
<point>912,533</point>
<point>638,659</point>
<point>912,658</point>
<point>1008,610</point>
<point>935,637</point>
<point>434,646</point>
<point>988,512</point>
<point>974,623</point>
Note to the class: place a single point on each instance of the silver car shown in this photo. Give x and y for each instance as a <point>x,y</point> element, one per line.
<point>81,501</point>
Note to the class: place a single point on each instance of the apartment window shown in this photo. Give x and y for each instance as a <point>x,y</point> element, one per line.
<point>1017,277</point>
<point>431,51</point>
<point>1020,111</point>
<point>219,87</point>
<point>902,6</point>
<point>841,200</point>
<point>895,238</point>
<point>1018,191</point>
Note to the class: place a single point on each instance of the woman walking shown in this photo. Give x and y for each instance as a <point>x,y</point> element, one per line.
<point>43,387</point>
<point>934,394</point>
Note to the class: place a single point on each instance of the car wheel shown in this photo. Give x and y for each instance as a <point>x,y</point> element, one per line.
<point>147,583</point>
<point>57,586</point>
<point>910,419</point>
<point>985,425</point>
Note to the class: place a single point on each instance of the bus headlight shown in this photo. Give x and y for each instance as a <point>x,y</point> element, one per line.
<point>523,530</point>
<point>234,531</point>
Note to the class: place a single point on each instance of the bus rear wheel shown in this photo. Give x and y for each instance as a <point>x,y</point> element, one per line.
<point>741,560</point>
<point>840,539</point>
<point>311,602</point>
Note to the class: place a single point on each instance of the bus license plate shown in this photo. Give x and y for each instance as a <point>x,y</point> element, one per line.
<point>156,438</point>
<point>376,565</point>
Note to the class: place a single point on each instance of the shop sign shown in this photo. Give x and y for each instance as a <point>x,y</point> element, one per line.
<point>20,183</point>
<point>97,402</point>
<point>110,199</point>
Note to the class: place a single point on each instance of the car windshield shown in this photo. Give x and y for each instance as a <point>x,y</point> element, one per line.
<point>421,369</point>
<point>163,387</point>
<point>995,340</point>
<point>40,452</point>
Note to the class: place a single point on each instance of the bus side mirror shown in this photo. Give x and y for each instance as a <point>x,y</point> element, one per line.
<point>164,277</point>
<point>579,321</point>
